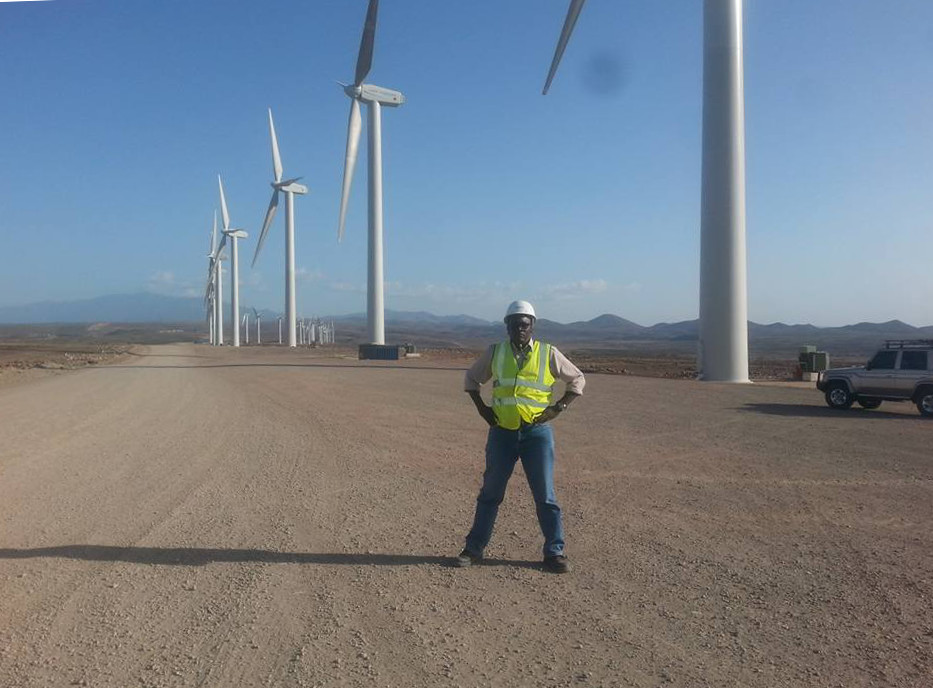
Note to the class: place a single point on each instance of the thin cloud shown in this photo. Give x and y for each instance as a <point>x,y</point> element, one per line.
<point>304,275</point>
<point>254,280</point>
<point>347,287</point>
<point>162,278</point>
<point>575,290</point>
<point>165,282</point>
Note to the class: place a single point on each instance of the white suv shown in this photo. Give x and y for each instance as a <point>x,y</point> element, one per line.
<point>901,371</point>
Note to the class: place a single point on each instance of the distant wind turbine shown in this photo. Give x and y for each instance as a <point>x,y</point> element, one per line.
<point>209,300</point>
<point>374,97</point>
<point>258,326</point>
<point>723,350</point>
<point>234,235</point>
<point>214,289</point>
<point>290,187</point>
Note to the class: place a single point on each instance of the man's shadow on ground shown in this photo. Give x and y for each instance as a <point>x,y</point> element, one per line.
<point>200,556</point>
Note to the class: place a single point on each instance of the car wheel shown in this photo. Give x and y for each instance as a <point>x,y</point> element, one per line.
<point>925,402</point>
<point>869,403</point>
<point>838,396</point>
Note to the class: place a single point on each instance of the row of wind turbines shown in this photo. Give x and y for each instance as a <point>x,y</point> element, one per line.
<point>723,341</point>
<point>374,97</point>
<point>308,332</point>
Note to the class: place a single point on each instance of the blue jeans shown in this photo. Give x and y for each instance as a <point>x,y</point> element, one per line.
<point>534,445</point>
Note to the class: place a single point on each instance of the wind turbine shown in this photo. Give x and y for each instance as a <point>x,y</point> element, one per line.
<point>246,326</point>
<point>258,326</point>
<point>723,350</point>
<point>234,235</point>
<point>374,97</point>
<point>290,187</point>
<point>215,285</point>
<point>210,300</point>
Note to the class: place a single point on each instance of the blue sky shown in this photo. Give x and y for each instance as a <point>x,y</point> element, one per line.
<point>117,115</point>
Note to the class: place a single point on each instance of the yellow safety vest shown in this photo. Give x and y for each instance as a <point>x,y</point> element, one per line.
<point>520,395</point>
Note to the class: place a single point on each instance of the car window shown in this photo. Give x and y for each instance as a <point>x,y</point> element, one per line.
<point>883,360</point>
<point>914,360</point>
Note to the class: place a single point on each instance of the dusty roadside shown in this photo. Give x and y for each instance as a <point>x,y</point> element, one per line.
<point>27,361</point>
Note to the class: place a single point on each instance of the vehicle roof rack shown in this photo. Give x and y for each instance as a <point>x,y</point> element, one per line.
<point>908,343</point>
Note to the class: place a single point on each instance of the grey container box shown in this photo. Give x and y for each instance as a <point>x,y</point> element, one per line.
<point>381,352</point>
<point>820,361</point>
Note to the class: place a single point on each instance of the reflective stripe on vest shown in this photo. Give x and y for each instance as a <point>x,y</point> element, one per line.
<point>520,395</point>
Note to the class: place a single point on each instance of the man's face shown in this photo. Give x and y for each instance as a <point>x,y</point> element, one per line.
<point>520,328</point>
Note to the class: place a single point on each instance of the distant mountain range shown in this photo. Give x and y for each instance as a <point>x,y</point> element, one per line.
<point>464,331</point>
<point>128,308</point>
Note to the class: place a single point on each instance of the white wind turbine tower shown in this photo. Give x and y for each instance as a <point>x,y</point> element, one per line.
<point>290,187</point>
<point>233,235</point>
<point>374,97</point>
<point>723,351</point>
<point>246,326</point>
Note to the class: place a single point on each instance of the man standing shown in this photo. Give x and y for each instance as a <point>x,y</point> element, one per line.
<point>523,370</point>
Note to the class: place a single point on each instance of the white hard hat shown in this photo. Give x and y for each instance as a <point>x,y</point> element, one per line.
<point>519,308</point>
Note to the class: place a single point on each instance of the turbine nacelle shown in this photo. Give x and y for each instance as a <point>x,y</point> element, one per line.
<point>375,94</point>
<point>289,186</point>
<point>236,233</point>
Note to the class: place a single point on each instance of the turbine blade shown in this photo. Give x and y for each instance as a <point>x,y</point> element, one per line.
<point>214,234</point>
<point>276,158</point>
<point>364,61</point>
<point>572,13</point>
<point>354,128</point>
<point>270,213</point>
<point>223,204</point>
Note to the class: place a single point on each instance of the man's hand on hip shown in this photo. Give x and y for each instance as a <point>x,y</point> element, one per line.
<point>550,413</point>
<point>485,411</point>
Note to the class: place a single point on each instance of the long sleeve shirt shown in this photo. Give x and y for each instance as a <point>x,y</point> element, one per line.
<point>561,368</point>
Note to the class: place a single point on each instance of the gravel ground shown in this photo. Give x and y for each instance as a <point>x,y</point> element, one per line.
<point>262,517</point>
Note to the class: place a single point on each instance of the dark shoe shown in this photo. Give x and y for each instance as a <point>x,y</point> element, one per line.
<point>467,558</point>
<point>557,564</point>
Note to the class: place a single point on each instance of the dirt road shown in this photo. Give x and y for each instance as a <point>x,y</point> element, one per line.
<point>204,517</point>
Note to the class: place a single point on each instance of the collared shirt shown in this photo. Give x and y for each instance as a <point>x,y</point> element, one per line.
<point>561,368</point>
